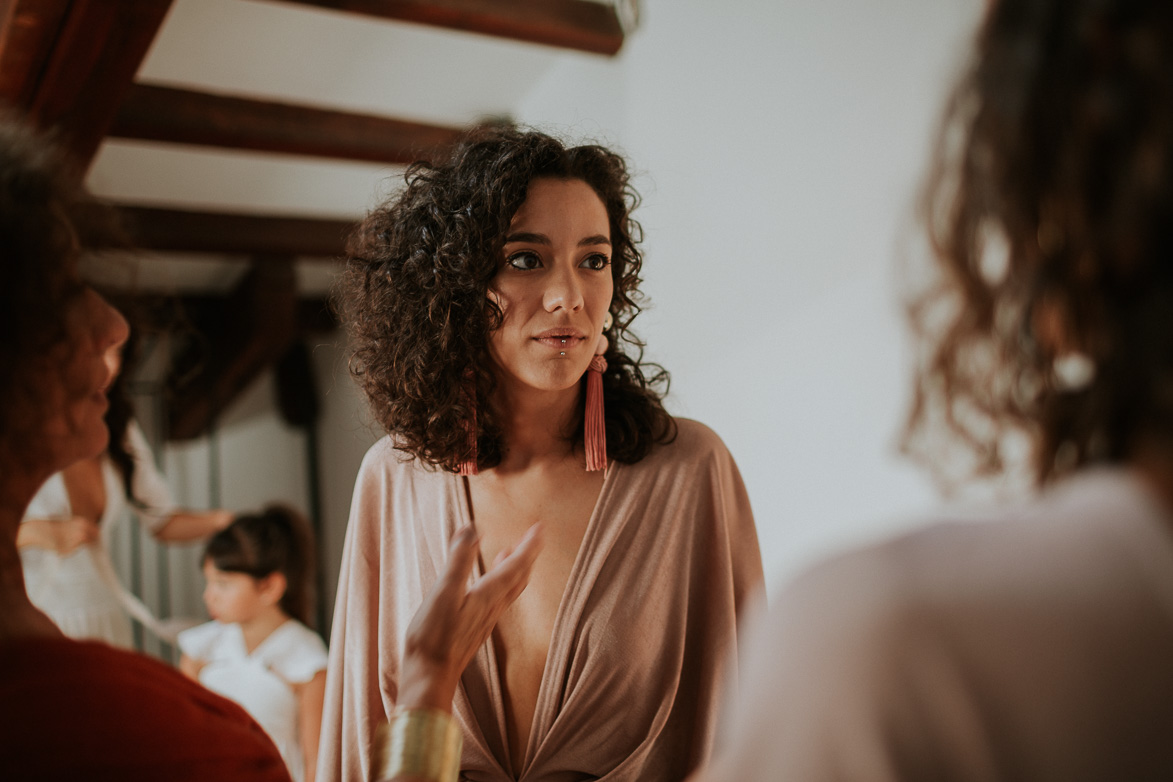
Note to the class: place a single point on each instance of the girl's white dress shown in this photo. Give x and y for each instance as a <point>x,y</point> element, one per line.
<point>80,591</point>
<point>261,681</point>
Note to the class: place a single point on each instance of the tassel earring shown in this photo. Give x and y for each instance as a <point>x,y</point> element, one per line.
<point>595,434</point>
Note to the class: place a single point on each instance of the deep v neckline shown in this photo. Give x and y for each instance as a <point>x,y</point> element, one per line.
<point>563,623</point>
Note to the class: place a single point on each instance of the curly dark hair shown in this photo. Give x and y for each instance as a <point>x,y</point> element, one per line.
<point>415,297</point>
<point>1049,210</point>
<point>47,221</point>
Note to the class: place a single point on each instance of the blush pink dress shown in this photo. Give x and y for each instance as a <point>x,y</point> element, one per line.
<point>644,640</point>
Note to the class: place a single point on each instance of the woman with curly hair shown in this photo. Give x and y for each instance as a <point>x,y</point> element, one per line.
<point>1035,644</point>
<point>490,304</point>
<point>79,709</point>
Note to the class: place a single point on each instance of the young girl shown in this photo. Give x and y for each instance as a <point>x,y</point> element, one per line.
<point>256,650</point>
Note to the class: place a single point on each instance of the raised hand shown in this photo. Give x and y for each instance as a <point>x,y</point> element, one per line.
<point>455,618</point>
<point>75,532</point>
<point>63,536</point>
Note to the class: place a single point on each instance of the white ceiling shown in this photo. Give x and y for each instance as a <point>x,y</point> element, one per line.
<point>297,54</point>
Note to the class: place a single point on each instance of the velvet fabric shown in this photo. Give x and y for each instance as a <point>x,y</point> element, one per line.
<point>83,710</point>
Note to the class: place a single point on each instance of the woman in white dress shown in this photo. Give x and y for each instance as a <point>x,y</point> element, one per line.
<point>66,533</point>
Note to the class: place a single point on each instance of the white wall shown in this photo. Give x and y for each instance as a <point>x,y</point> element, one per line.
<point>779,146</point>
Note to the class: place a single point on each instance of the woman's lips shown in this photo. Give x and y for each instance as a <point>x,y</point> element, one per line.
<point>564,342</point>
<point>561,338</point>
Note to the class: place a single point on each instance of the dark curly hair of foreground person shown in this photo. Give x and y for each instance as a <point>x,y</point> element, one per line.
<point>415,298</point>
<point>48,224</point>
<point>1050,212</point>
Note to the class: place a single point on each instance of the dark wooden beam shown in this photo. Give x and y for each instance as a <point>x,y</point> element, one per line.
<point>570,24</point>
<point>161,313</point>
<point>175,230</point>
<point>253,328</point>
<point>155,113</point>
<point>28,32</point>
<point>72,62</point>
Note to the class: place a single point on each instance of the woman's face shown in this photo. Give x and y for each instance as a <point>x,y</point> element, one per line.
<point>76,374</point>
<point>554,286</point>
<point>238,597</point>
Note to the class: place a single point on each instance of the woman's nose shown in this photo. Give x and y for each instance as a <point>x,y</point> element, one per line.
<point>110,328</point>
<point>563,291</point>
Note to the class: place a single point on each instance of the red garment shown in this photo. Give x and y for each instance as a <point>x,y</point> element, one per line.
<point>84,710</point>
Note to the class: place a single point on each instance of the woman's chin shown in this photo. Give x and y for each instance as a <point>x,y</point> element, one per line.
<point>557,381</point>
<point>546,377</point>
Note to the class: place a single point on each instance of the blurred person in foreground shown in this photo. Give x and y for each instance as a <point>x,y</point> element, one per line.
<point>1035,644</point>
<point>74,709</point>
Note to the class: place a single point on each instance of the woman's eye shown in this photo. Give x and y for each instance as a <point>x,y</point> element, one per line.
<point>598,262</point>
<point>524,261</point>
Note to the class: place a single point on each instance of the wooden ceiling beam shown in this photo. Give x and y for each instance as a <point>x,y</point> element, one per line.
<point>155,113</point>
<point>253,328</point>
<point>69,63</point>
<point>569,24</point>
<point>28,31</point>
<point>176,230</point>
<point>163,313</point>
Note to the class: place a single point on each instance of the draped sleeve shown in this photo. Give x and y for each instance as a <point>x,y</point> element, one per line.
<point>644,640</point>
<point>396,540</point>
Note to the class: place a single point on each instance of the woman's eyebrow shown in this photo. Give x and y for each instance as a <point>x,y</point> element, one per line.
<point>535,238</point>
<point>527,238</point>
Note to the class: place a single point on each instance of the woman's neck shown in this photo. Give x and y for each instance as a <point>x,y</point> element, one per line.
<point>261,626</point>
<point>535,424</point>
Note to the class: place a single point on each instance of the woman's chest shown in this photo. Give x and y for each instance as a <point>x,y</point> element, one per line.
<point>86,489</point>
<point>503,512</point>
<point>523,637</point>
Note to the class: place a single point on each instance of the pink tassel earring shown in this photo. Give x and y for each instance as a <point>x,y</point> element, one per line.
<point>595,435</point>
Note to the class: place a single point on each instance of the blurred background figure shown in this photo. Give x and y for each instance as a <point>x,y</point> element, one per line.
<point>65,537</point>
<point>258,650</point>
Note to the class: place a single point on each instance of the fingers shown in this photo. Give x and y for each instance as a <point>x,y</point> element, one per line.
<point>508,577</point>
<point>462,555</point>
